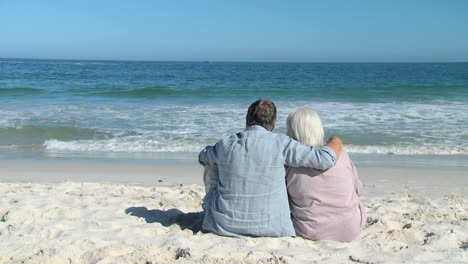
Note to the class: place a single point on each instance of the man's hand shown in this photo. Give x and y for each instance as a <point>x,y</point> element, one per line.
<point>336,144</point>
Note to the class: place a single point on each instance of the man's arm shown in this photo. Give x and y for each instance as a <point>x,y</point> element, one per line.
<point>298,155</point>
<point>208,156</point>
<point>336,144</point>
<point>210,177</point>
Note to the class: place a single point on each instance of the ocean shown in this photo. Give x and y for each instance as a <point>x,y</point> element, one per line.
<point>168,111</point>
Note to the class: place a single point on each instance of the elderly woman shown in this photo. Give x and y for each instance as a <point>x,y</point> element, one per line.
<point>324,205</point>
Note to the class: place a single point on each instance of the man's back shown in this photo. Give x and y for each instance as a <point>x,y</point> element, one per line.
<point>251,197</point>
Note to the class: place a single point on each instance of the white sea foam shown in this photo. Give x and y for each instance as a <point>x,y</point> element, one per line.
<point>125,145</point>
<point>408,150</point>
<point>119,145</point>
<point>399,128</point>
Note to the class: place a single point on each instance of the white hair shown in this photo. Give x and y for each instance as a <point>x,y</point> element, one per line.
<point>305,126</point>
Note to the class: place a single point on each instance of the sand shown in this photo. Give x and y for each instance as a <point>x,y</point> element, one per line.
<point>121,213</point>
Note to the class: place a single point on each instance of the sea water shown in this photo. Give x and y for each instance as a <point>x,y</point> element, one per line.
<point>168,111</point>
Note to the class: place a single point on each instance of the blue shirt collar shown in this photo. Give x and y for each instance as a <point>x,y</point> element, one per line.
<point>256,128</point>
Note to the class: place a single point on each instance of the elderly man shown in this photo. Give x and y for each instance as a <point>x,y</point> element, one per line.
<point>249,196</point>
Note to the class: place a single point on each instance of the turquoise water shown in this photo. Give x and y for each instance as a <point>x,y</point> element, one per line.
<point>152,110</point>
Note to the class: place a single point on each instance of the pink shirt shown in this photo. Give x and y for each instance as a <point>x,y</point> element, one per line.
<point>325,205</point>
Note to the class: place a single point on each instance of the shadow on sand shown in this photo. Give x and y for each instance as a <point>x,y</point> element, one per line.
<point>191,221</point>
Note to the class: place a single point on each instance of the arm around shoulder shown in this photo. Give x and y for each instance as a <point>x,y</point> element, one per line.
<point>298,155</point>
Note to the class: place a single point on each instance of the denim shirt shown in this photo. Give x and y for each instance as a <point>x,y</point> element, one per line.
<point>251,197</point>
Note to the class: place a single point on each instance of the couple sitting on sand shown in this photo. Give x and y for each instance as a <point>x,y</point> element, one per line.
<point>248,177</point>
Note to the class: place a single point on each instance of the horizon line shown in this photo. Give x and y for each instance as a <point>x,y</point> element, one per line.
<point>226,61</point>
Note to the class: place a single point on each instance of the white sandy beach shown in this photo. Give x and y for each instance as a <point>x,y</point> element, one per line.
<point>121,213</point>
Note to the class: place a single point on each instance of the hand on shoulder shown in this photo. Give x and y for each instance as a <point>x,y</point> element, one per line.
<point>336,144</point>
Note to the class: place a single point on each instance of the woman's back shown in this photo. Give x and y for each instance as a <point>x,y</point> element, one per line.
<point>325,205</point>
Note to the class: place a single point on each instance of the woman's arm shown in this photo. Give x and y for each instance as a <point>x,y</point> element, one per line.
<point>357,183</point>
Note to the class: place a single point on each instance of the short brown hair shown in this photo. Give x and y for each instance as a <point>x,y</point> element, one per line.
<point>263,113</point>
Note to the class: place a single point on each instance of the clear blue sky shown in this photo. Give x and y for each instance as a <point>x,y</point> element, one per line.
<point>237,30</point>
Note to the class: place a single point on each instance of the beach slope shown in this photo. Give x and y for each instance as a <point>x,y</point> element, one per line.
<point>47,219</point>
